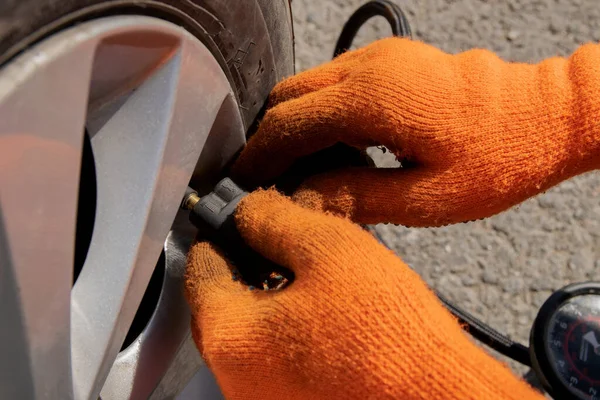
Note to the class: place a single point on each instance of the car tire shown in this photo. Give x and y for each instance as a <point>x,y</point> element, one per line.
<point>252,40</point>
<point>252,43</point>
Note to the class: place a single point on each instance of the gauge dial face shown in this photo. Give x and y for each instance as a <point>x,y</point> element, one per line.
<point>572,342</point>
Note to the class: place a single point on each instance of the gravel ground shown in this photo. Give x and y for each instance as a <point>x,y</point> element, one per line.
<point>501,269</point>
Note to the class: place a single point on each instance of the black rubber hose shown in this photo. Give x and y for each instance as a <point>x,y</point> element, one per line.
<point>382,8</point>
<point>488,335</point>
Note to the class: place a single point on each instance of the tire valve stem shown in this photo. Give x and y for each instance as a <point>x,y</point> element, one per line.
<point>190,199</point>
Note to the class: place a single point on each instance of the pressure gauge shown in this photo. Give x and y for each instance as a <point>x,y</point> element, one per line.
<point>565,342</point>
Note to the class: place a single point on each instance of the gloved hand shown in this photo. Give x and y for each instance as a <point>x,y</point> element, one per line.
<point>481,133</point>
<point>356,323</point>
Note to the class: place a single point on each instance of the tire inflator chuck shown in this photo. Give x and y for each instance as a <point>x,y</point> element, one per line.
<point>213,215</point>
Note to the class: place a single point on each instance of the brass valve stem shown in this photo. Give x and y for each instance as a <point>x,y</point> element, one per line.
<point>190,200</point>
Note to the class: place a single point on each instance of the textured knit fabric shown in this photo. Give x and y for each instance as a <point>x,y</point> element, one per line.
<point>480,134</point>
<point>356,323</point>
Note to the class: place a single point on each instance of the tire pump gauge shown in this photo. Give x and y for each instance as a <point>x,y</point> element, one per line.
<point>565,342</point>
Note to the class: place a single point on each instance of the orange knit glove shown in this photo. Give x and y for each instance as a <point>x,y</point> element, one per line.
<point>482,134</point>
<point>356,323</point>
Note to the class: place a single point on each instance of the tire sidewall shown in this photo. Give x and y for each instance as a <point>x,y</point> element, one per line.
<point>251,39</point>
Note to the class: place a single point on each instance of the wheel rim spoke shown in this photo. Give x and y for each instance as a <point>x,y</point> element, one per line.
<point>148,94</point>
<point>42,118</point>
<point>177,360</point>
<point>145,153</point>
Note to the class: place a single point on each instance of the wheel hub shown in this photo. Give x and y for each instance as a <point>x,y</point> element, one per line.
<point>159,112</point>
